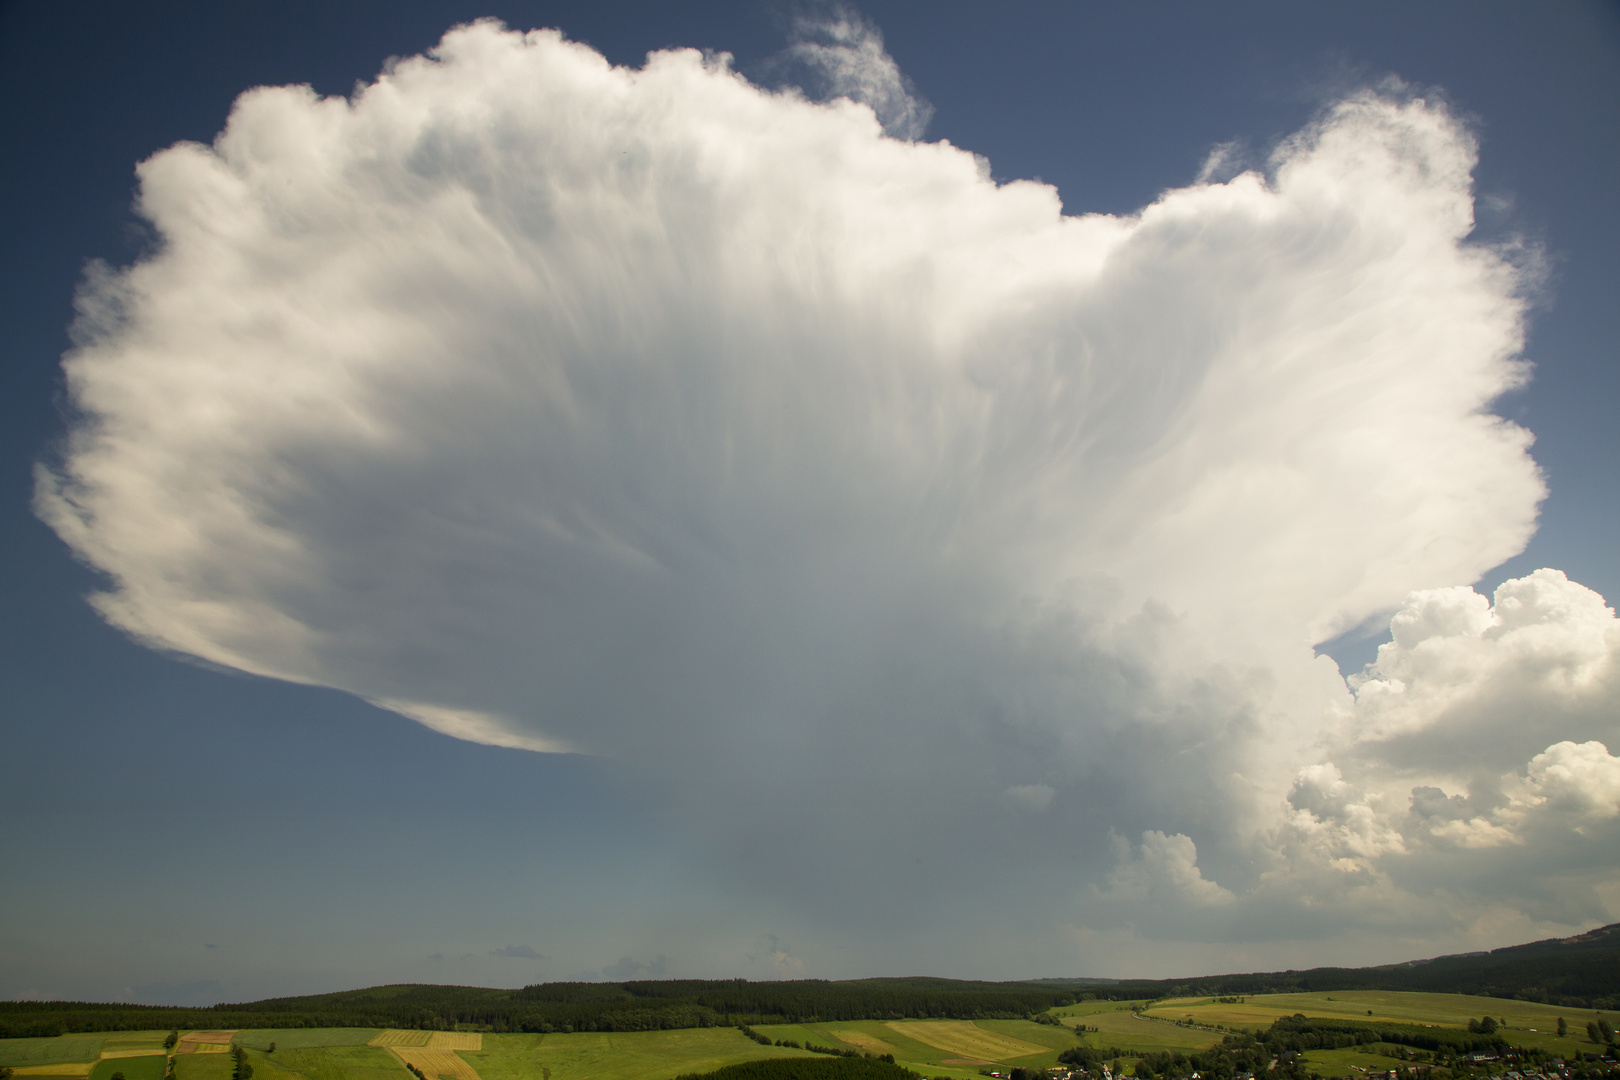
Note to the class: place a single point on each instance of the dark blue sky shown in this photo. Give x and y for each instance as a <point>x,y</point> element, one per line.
<point>174,832</point>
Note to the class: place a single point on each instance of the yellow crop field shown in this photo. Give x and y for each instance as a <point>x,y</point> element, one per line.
<point>860,1040</point>
<point>210,1048</point>
<point>61,1068</point>
<point>455,1040</point>
<point>437,1064</point>
<point>965,1039</point>
<point>1447,1010</point>
<point>142,1051</point>
<point>396,1037</point>
<point>224,1037</point>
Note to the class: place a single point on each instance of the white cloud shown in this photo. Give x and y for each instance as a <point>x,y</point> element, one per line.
<point>1031,797</point>
<point>626,969</point>
<point>1582,779</point>
<point>844,54</point>
<point>517,952</point>
<point>1162,868</point>
<point>823,482</point>
<point>1545,637</point>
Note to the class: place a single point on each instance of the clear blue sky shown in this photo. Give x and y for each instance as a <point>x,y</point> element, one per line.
<point>176,831</point>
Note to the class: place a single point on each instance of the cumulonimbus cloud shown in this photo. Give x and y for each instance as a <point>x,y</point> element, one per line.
<point>649,413</point>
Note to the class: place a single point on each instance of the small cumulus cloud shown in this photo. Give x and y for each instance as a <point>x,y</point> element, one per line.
<point>517,952</point>
<point>771,959</point>
<point>1030,797</point>
<point>626,969</point>
<point>1164,869</point>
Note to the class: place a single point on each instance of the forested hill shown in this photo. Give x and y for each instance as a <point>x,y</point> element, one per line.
<point>1582,971</point>
<point>548,1007</point>
<point>1577,971</point>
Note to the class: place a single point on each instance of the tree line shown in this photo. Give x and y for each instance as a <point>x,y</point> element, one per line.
<point>567,1007</point>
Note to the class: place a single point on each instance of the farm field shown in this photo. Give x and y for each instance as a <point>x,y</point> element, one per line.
<point>639,1055</point>
<point>149,1067</point>
<point>954,1049</point>
<point>970,1042</point>
<point>1528,1024</point>
<point>875,1037</point>
<point>318,1063</point>
<point>295,1038</point>
<point>1118,1027</point>
<point>19,1053</point>
<point>950,1048</point>
<point>437,1064</point>
<point>1349,1062</point>
<point>202,1067</point>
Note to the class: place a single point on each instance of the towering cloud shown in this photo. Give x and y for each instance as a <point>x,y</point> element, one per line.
<point>855,499</point>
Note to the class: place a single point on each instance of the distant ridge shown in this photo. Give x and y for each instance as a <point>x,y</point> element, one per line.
<point>1579,972</point>
<point>1583,971</point>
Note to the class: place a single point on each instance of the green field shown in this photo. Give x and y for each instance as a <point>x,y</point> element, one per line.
<point>15,1052</point>
<point>1350,1062</point>
<point>135,1068</point>
<point>955,1049</point>
<point>204,1067</point>
<point>323,1063</point>
<point>133,1040</point>
<point>1528,1024</point>
<point>949,1051</point>
<point>639,1055</point>
<point>296,1038</point>
<point>1117,1026</point>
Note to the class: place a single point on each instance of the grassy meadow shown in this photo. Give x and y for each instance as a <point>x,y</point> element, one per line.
<point>19,1053</point>
<point>638,1055</point>
<point>146,1067</point>
<point>954,1049</point>
<point>1528,1024</point>
<point>1117,1025</point>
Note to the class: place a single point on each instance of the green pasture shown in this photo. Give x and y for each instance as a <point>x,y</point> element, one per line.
<point>1349,1062</point>
<point>1055,1039</point>
<point>1130,1032</point>
<point>636,1055</point>
<point>877,1036</point>
<point>150,1067</point>
<point>1117,1026</point>
<point>15,1052</point>
<point>1445,1010</point>
<point>133,1040</point>
<point>302,1038</point>
<point>1528,1024</point>
<point>327,1062</point>
<point>204,1067</point>
<point>341,1053</point>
